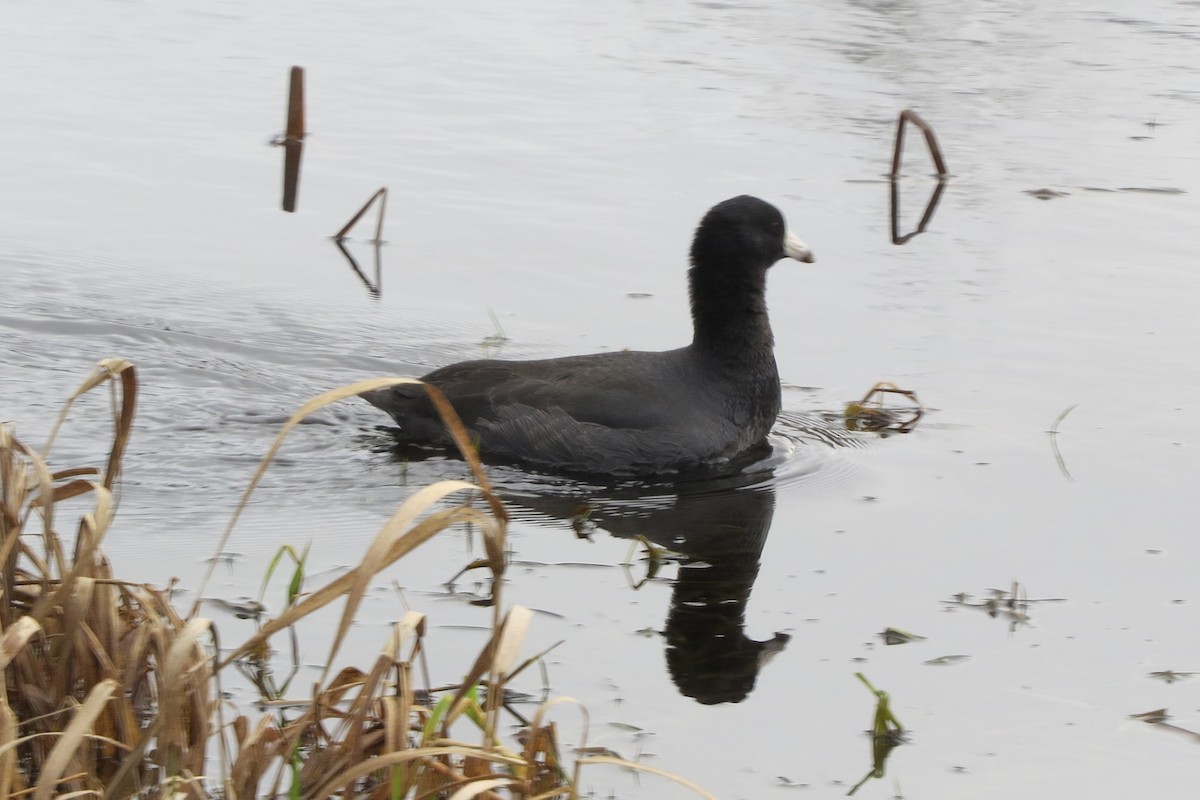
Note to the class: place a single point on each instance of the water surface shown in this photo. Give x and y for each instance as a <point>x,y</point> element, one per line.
<point>547,163</point>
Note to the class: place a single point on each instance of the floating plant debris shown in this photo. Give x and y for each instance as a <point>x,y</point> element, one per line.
<point>872,414</point>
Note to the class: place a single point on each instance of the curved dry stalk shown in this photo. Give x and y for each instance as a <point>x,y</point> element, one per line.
<point>478,786</point>
<point>537,724</point>
<point>108,369</point>
<point>344,585</point>
<point>1058,456</point>
<point>454,425</point>
<point>316,403</point>
<point>620,762</point>
<point>495,659</point>
<point>335,783</point>
<point>397,538</point>
<point>545,707</point>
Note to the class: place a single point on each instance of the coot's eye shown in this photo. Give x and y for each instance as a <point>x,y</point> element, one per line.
<point>775,227</point>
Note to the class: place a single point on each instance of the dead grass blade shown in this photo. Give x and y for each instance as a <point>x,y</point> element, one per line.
<point>345,585</point>
<point>457,430</point>
<point>508,647</point>
<point>316,403</point>
<point>538,724</point>
<point>512,636</point>
<point>399,537</point>
<point>336,783</point>
<point>462,440</point>
<point>72,737</point>
<point>662,773</point>
<point>506,637</point>
<point>478,787</point>
<point>107,371</point>
<point>14,640</point>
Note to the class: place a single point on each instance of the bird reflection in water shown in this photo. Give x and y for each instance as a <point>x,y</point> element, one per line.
<point>719,528</point>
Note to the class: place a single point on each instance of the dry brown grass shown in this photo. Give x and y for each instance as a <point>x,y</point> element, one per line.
<point>96,670</point>
<point>108,691</point>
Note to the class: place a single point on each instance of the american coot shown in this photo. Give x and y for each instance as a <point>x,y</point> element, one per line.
<point>635,413</point>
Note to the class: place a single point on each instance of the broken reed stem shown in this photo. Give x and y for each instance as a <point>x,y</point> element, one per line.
<point>382,193</point>
<point>295,112</point>
<point>378,288</point>
<point>379,220</point>
<point>293,139</point>
<point>374,288</point>
<point>906,116</point>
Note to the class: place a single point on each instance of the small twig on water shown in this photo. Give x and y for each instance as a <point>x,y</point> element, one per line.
<point>935,152</point>
<point>1058,456</point>
<point>382,193</point>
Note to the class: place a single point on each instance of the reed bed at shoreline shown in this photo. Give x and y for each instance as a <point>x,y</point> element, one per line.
<point>109,691</point>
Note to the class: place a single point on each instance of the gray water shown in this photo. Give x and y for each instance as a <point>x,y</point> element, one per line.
<point>546,163</point>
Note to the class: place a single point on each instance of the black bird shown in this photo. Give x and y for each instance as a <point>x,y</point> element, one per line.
<point>632,413</point>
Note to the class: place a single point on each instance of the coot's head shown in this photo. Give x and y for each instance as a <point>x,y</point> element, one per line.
<point>745,233</point>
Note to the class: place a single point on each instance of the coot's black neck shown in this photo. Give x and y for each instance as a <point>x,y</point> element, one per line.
<point>729,316</point>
